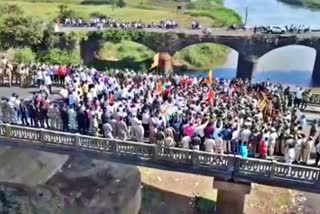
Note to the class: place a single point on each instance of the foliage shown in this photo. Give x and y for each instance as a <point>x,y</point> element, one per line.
<point>21,55</point>
<point>314,4</point>
<point>119,35</point>
<point>221,16</point>
<point>125,49</point>
<point>19,31</point>
<point>121,3</point>
<point>97,14</point>
<point>7,9</point>
<point>66,12</point>
<point>60,57</point>
<point>202,55</point>
<point>204,4</point>
<point>96,2</point>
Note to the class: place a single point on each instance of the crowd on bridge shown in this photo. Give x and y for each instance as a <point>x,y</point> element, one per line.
<point>108,22</point>
<point>200,113</point>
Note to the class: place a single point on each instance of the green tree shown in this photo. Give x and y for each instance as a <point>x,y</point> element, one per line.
<point>10,9</point>
<point>19,31</point>
<point>21,55</point>
<point>50,39</point>
<point>66,12</point>
<point>58,56</point>
<point>121,3</point>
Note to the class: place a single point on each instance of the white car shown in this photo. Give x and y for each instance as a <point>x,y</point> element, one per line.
<point>276,30</point>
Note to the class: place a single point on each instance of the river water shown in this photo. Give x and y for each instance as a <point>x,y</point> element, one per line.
<point>289,65</point>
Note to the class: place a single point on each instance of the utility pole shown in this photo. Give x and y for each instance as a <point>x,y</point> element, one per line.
<point>246,17</point>
<point>113,4</point>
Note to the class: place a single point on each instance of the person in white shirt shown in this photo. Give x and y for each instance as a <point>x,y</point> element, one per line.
<point>64,93</point>
<point>245,135</point>
<point>186,140</point>
<point>272,141</point>
<point>48,82</point>
<point>39,77</point>
<point>219,144</point>
<point>209,145</point>
<point>290,155</point>
<point>298,97</point>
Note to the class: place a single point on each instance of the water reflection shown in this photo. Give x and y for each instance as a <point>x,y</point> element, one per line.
<point>290,65</point>
<point>278,65</point>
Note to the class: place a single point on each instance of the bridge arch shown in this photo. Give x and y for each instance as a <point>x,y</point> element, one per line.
<point>202,56</point>
<point>293,64</point>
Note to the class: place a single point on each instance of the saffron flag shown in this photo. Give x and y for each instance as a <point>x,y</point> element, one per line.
<point>159,87</point>
<point>264,104</point>
<point>211,96</point>
<point>210,77</point>
<point>155,61</point>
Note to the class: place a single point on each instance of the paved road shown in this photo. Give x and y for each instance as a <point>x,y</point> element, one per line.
<point>214,31</point>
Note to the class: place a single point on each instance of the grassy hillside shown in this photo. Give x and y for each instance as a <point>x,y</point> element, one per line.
<point>314,4</point>
<point>207,12</point>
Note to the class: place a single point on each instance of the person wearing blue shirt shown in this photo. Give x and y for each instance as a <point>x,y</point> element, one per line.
<point>244,150</point>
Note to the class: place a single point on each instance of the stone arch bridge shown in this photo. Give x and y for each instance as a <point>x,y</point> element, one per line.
<point>249,46</point>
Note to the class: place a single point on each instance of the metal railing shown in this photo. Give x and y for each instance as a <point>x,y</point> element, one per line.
<point>175,159</point>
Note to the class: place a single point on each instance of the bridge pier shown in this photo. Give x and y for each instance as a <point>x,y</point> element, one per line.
<point>316,68</point>
<point>231,196</point>
<point>165,63</point>
<point>246,68</point>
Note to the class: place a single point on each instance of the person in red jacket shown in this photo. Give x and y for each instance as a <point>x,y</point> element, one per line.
<point>263,148</point>
<point>62,74</point>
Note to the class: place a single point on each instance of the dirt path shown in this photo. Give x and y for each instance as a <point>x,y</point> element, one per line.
<point>174,192</point>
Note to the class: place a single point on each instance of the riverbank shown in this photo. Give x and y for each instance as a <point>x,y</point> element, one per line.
<point>312,4</point>
<point>201,57</point>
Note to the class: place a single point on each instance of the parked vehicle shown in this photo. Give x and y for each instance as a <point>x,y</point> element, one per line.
<point>276,30</point>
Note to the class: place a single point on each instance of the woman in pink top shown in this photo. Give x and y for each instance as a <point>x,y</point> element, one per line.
<point>189,130</point>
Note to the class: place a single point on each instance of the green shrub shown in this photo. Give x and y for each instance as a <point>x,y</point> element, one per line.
<point>220,16</point>
<point>98,15</point>
<point>96,2</point>
<point>20,31</point>
<point>66,12</point>
<point>61,57</point>
<point>202,56</point>
<point>7,9</point>
<point>204,4</point>
<point>121,3</point>
<point>21,55</point>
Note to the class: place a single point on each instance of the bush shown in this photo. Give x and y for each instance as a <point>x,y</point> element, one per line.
<point>66,12</point>
<point>220,16</point>
<point>19,31</point>
<point>121,3</point>
<point>61,57</point>
<point>204,4</point>
<point>96,2</point>
<point>21,55</point>
<point>98,15</point>
<point>7,9</point>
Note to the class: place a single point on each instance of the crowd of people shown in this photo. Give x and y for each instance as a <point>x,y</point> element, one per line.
<point>108,22</point>
<point>215,115</point>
